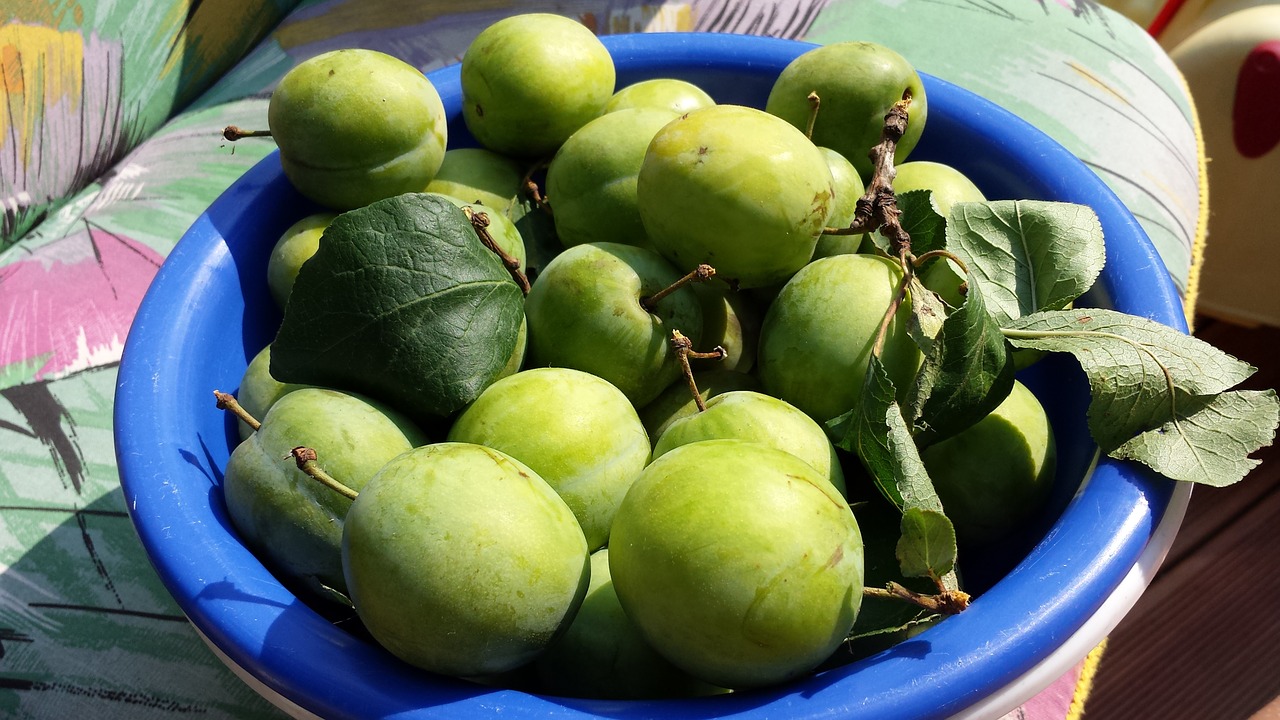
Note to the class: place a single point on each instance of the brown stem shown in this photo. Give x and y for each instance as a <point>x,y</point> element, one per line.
<point>305,458</point>
<point>229,403</point>
<point>480,221</point>
<point>531,188</point>
<point>877,209</point>
<point>815,102</point>
<point>683,348</point>
<point>947,602</point>
<point>702,273</point>
<point>233,133</point>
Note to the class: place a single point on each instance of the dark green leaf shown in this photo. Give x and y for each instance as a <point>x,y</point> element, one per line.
<point>404,303</point>
<point>967,371</point>
<point>1210,439</point>
<point>927,547</point>
<point>876,432</point>
<point>920,219</point>
<point>1029,255</point>
<point>1139,370</point>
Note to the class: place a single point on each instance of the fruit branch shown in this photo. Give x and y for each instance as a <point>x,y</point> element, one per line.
<point>683,348</point>
<point>702,273</point>
<point>306,457</point>
<point>480,221</point>
<point>229,403</point>
<point>878,206</point>
<point>946,602</point>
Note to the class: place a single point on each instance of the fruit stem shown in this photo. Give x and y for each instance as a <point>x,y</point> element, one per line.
<point>702,273</point>
<point>531,188</point>
<point>948,602</point>
<point>920,260</point>
<point>899,295</point>
<point>233,133</point>
<point>683,348</point>
<point>305,457</point>
<point>878,206</point>
<point>229,403</point>
<point>480,221</point>
<point>815,102</point>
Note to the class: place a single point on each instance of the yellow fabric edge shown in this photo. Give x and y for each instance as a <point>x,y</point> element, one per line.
<point>1202,219</point>
<point>1084,684</point>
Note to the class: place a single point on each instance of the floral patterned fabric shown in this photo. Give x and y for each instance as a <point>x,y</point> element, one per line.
<point>110,147</point>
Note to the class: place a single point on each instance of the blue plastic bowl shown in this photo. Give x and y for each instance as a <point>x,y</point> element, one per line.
<point>209,311</point>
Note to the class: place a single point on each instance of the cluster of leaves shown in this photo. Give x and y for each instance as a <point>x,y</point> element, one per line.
<point>1158,396</point>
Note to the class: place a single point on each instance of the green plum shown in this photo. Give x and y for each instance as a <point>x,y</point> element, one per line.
<point>529,81</point>
<point>948,185</point>
<point>591,181</point>
<point>603,655</point>
<point>996,473</point>
<point>577,431</point>
<point>731,320</point>
<point>739,562</point>
<point>818,333</point>
<point>857,83</point>
<point>678,96</point>
<point>259,390</point>
<point>284,516</point>
<point>677,400</point>
<point>462,561</point>
<point>355,126</point>
<point>736,188</point>
<point>585,312</point>
<point>849,188</point>
<point>754,416</point>
<point>295,246</point>
<point>479,176</point>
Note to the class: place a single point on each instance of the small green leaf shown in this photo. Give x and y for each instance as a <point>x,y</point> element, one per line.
<point>1210,439</point>
<point>922,221</point>
<point>876,432</point>
<point>927,547</point>
<point>404,303</point>
<point>881,526</point>
<point>928,312</point>
<point>967,371</point>
<point>1029,255</point>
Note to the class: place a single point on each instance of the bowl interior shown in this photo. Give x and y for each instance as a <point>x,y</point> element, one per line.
<point>209,311</point>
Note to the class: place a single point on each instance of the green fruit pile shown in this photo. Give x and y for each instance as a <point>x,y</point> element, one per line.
<point>624,482</point>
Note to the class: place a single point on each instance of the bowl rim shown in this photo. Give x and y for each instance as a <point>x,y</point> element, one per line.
<point>933,675</point>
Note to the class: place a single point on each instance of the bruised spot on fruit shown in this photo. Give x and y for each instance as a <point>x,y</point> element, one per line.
<point>836,556</point>
<point>479,110</point>
<point>821,204</point>
<point>332,72</point>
